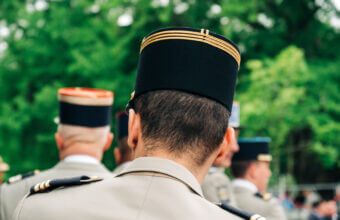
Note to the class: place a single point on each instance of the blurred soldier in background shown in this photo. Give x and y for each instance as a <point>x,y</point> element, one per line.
<point>178,127</point>
<point>217,186</point>
<point>251,170</point>
<point>122,153</point>
<point>325,208</point>
<point>3,168</point>
<point>83,135</point>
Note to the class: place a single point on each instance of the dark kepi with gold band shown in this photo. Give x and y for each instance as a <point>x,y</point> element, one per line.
<point>253,148</point>
<point>85,106</point>
<point>122,120</point>
<point>196,61</point>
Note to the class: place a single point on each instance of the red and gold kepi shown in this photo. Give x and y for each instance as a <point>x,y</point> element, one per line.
<point>85,106</point>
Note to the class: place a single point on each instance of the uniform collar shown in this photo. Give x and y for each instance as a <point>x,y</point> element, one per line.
<point>167,167</point>
<point>99,168</point>
<point>81,158</point>
<point>125,164</point>
<point>245,184</point>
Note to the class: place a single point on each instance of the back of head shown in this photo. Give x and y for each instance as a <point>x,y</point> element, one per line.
<point>184,92</point>
<point>239,168</point>
<point>181,123</point>
<point>84,136</point>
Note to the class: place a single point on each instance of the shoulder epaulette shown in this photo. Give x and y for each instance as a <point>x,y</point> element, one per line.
<point>50,185</point>
<point>19,177</point>
<point>240,213</point>
<point>265,196</point>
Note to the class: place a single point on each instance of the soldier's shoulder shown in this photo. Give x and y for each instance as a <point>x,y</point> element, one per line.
<point>245,199</point>
<point>268,201</point>
<point>50,185</point>
<point>20,177</point>
<point>217,178</point>
<point>272,207</point>
<point>268,198</point>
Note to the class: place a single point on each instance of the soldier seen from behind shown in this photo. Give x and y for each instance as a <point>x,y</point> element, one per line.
<point>82,137</point>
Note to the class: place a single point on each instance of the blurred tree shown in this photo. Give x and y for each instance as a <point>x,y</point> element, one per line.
<point>265,27</point>
<point>53,44</point>
<point>295,104</point>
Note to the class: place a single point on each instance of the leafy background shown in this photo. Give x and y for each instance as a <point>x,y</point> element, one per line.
<point>288,83</point>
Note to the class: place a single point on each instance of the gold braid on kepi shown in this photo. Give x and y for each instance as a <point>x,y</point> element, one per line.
<point>190,60</point>
<point>202,36</point>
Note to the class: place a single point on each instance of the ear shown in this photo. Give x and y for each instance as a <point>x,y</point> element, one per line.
<point>227,143</point>
<point>59,140</point>
<point>117,154</point>
<point>134,129</point>
<point>108,141</point>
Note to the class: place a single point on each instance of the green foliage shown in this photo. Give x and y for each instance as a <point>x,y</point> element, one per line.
<point>287,93</point>
<point>295,104</point>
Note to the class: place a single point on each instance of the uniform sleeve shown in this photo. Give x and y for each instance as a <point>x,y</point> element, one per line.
<point>10,197</point>
<point>1,204</point>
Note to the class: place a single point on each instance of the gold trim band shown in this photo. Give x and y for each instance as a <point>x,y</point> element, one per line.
<point>257,217</point>
<point>86,101</point>
<point>202,36</point>
<point>264,157</point>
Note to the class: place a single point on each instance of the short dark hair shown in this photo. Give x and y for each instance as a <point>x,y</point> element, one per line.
<point>125,150</point>
<point>182,122</point>
<point>239,168</point>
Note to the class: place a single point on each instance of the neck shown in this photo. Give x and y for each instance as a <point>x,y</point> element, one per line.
<point>184,159</point>
<point>81,150</point>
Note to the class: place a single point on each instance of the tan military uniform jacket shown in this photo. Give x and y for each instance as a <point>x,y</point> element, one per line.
<point>148,189</point>
<point>11,194</point>
<point>247,200</point>
<point>217,187</point>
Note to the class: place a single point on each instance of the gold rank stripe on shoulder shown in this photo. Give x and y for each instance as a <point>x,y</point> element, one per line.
<point>50,185</point>
<point>19,177</point>
<point>42,186</point>
<point>202,36</point>
<point>264,157</point>
<point>14,179</point>
<point>257,217</point>
<point>267,196</point>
